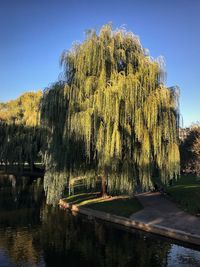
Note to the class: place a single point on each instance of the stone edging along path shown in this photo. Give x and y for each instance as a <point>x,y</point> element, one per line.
<point>156,229</point>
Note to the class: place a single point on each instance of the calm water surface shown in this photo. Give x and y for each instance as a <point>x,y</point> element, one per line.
<point>33,234</point>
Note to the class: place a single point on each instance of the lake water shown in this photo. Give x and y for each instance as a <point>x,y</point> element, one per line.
<point>34,234</point>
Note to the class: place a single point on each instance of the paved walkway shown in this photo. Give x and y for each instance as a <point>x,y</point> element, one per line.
<point>160,211</point>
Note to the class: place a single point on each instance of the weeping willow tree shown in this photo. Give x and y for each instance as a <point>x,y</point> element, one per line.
<point>19,144</point>
<point>20,135</point>
<point>112,117</point>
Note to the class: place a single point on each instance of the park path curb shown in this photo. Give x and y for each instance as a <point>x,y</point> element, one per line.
<point>156,229</point>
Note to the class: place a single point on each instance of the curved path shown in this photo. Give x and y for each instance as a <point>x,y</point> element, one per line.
<point>160,211</point>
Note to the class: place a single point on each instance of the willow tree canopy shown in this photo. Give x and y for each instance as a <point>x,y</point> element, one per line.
<point>112,116</point>
<point>19,144</point>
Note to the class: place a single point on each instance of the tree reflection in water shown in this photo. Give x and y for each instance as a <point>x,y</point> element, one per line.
<point>34,234</point>
<point>79,242</point>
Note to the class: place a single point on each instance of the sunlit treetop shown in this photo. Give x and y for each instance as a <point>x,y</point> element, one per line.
<point>23,110</point>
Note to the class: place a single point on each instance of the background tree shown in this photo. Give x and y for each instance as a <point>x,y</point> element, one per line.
<point>190,151</point>
<point>23,110</point>
<point>20,144</point>
<point>20,136</point>
<point>113,117</point>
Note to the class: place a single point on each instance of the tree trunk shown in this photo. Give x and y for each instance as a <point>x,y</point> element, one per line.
<point>31,166</point>
<point>104,186</point>
<point>6,166</point>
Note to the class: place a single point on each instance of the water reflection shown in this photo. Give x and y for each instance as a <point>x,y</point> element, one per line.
<point>88,243</point>
<point>34,234</point>
<point>185,257</point>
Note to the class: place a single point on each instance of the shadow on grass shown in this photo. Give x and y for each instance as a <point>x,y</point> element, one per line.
<point>77,199</point>
<point>121,206</point>
<point>186,192</point>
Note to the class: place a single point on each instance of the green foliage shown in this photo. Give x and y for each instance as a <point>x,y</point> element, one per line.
<point>112,116</point>
<point>20,136</point>
<point>190,152</point>
<point>19,144</point>
<point>23,110</point>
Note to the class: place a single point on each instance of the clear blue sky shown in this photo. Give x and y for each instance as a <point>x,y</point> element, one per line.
<point>33,34</point>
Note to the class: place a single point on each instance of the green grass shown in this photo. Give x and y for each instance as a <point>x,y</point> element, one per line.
<point>79,198</point>
<point>186,192</point>
<point>121,206</point>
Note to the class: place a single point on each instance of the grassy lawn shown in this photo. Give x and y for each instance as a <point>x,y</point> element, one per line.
<point>186,192</point>
<point>121,206</point>
<point>79,198</point>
